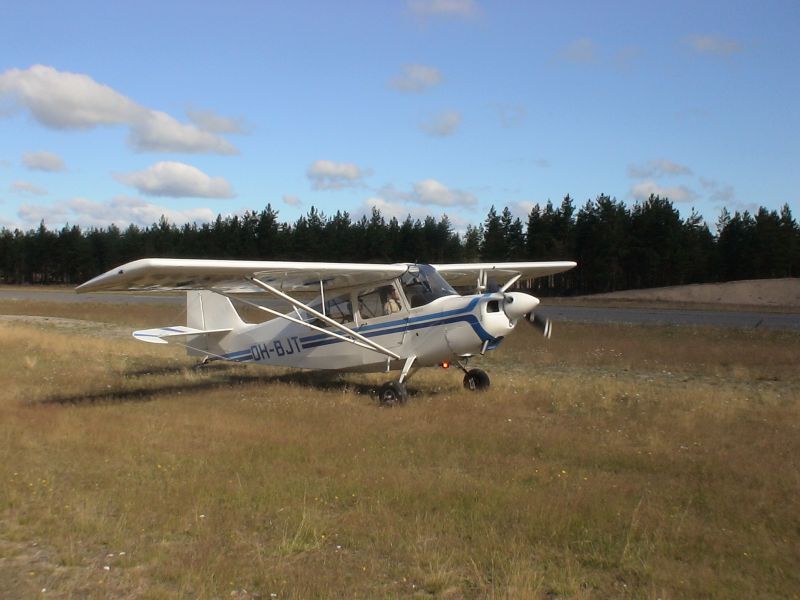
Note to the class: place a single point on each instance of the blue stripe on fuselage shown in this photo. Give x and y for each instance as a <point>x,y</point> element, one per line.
<point>413,323</point>
<point>239,356</point>
<point>403,322</point>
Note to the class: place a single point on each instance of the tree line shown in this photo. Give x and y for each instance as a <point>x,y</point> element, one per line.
<point>616,247</point>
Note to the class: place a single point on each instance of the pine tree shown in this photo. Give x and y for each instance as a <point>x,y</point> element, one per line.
<point>494,242</point>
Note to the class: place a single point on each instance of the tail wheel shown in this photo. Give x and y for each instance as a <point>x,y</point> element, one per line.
<point>393,393</point>
<point>476,380</point>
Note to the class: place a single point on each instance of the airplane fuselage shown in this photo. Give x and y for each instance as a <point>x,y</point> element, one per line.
<point>445,329</point>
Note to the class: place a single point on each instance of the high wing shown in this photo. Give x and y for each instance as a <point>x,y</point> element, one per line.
<point>232,276</point>
<point>476,274</point>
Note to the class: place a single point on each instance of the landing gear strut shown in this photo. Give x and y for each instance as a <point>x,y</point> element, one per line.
<point>394,393</point>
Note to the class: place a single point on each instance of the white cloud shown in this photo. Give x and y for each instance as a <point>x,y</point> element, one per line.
<point>707,183</point>
<point>122,210</point>
<point>522,208</point>
<point>581,51</point>
<point>388,209</point>
<point>644,189</point>
<point>391,193</point>
<point>430,191</point>
<point>464,9</point>
<point>177,180</point>
<point>712,44</point>
<point>585,51</point>
<point>626,57</point>
<point>134,210</point>
<point>27,188</point>
<point>8,224</point>
<point>511,116</point>
<point>33,214</point>
<point>658,168</point>
<point>64,100</point>
<point>719,193</point>
<point>724,195</point>
<point>329,175</point>
<point>442,125</point>
<point>208,120</point>
<point>400,211</point>
<point>43,161</point>
<point>159,132</point>
<point>416,78</point>
<point>292,200</point>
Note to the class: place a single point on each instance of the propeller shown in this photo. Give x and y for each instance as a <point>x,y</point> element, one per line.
<point>518,304</point>
<point>542,324</point>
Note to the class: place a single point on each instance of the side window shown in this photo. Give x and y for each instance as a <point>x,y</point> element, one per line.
<point>337,308</point>
<point>378,302</point>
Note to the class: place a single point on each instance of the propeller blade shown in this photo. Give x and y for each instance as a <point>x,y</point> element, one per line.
<point>542,324</point>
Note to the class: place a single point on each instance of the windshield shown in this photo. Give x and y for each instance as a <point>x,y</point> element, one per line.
<point>422,284</point>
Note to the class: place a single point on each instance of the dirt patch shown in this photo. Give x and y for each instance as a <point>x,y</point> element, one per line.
<point>778,293</point>
<point>95,328</point>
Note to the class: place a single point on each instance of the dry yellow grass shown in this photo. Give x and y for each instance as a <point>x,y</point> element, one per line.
<point>615,461</point>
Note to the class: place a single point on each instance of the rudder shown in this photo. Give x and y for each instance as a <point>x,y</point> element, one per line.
<point>209,310</point>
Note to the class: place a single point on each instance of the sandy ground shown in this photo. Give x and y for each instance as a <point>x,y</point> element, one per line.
<point>95,328</point>
<point>754,292</point>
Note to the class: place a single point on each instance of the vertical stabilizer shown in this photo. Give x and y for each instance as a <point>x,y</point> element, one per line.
<point>207,310</point>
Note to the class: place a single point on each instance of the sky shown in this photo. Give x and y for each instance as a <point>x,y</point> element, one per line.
<point>120,112</point>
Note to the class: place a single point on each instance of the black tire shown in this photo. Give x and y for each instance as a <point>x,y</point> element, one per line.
<point>476,380</point>
<point>393,393</point>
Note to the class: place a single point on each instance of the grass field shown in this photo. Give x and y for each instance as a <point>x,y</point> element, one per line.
<point>612,461</point>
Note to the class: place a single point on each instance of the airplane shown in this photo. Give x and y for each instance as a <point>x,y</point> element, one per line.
<point>340,316</point>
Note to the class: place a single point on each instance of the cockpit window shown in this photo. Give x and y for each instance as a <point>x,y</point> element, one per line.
<point>422,284</point>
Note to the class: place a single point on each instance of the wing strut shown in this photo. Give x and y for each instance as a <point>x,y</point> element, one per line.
<point>296,303</point>
<point>511,282</point>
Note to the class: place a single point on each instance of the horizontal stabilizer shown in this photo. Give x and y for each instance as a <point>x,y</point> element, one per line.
<point>175,333</point>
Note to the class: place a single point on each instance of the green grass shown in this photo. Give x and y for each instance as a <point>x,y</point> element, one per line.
<point>614,461</point>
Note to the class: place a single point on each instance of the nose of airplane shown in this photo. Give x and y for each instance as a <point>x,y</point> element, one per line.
<point>518,304</point>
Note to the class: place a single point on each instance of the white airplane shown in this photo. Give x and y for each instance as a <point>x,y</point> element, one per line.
<point>356,317</point>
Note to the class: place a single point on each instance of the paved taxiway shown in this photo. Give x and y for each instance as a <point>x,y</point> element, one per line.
<point>663,316</point>
<point>585,314</point>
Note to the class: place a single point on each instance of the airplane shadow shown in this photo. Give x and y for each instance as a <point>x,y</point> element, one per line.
<point>220,376</point>
<point>112,396</point>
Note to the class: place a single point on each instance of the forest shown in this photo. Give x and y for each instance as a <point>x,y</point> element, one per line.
<point>616,247</point>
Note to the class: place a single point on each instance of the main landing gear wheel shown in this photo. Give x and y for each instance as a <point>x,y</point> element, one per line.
<point>393,393</point>
<point>476,380</point>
